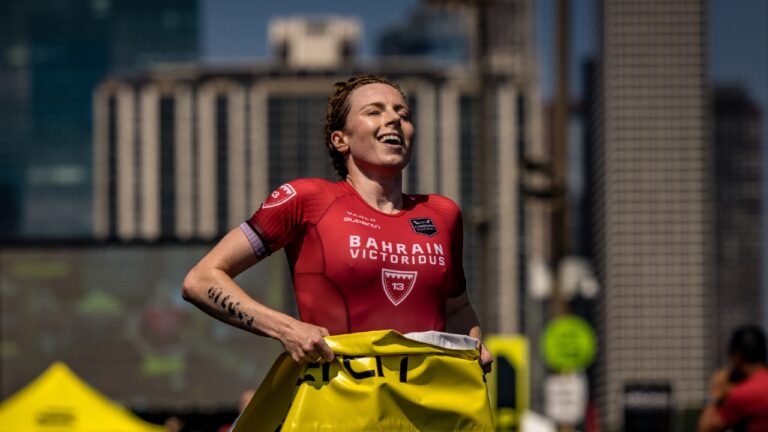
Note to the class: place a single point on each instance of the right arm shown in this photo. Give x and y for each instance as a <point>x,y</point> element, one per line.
<point>211,287</point>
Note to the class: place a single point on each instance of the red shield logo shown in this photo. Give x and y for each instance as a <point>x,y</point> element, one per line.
<point>279,196</point>
<point>397,284</point>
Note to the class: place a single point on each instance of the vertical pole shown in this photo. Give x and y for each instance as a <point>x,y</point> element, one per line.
<point>484,183</point>
<point>560,230</point>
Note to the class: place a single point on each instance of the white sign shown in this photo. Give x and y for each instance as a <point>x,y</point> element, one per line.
<point>539,279</point>
<point>533,422</point>
<point>566,398</point>
<point>576,277</point>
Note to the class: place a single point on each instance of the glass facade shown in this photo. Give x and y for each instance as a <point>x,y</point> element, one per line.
<point>54,54</point>
<point>738,212</point>
<point>437,35</point>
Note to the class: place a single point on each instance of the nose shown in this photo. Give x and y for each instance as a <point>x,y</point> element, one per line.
<point>392,117</point>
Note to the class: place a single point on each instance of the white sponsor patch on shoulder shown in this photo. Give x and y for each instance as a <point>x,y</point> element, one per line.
<point>280,196</point>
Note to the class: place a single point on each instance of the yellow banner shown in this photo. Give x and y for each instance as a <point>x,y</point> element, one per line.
<point>379,381</point>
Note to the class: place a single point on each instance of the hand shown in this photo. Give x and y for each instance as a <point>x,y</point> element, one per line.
<point>305,343</point>
<point>719,383</point>
<point>486,358</point>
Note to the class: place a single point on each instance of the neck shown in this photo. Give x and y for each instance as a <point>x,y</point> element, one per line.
<point>751,368</point>
<point>384,193</point>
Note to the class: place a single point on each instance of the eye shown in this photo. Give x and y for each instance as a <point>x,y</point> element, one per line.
<point>373,112</point>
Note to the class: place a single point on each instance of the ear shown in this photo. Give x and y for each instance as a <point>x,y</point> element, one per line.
<point>339,140</point>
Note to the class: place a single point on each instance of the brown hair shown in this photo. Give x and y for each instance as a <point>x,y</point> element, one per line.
<point>338,109</point>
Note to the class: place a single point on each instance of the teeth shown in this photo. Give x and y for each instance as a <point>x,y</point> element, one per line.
<point>390,138</point>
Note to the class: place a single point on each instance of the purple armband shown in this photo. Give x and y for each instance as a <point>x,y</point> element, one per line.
<point>254,240</point>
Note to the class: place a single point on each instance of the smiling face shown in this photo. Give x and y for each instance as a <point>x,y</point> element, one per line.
<point>378,135</point>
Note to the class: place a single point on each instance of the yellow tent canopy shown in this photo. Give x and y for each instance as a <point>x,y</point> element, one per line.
<point>58,400</point>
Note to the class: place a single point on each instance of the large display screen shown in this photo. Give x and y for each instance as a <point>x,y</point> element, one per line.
<point>114,314</point>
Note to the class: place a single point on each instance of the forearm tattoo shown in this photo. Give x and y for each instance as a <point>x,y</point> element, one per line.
<point>229,306</point>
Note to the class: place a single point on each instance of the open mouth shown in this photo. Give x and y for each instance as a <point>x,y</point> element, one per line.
<point>394,139</point>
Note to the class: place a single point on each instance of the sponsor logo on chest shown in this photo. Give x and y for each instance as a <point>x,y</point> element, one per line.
<point>423,226</point>
<point>354,218</point>
<point>389,252</point>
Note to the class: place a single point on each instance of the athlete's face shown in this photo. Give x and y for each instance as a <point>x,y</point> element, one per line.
<point>378,133</point>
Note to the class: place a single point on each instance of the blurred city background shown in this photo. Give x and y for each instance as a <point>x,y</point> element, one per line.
<point>608,156</point>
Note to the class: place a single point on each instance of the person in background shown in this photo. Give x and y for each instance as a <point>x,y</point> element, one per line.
<point>242,402</point>
<point>173,424</point>
<point>739,392</point>
<point>363,255</point>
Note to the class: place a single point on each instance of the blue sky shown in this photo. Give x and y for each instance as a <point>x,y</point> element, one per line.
<point>237,29</point>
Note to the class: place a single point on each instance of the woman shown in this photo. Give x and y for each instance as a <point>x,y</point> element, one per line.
<point>363,255</point>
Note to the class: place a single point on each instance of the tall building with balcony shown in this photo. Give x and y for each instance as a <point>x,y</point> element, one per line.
<point>650,181</point>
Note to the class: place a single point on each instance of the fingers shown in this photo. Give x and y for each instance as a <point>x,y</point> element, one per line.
<point>306,356</point>
<point>319,351</point>
<point>486,359</point>
<point>325,351</point>
<point>487,366</point>
<point>311,357</point>
<point>307,344</point>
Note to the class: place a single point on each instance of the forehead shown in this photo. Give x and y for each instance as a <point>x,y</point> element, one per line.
<point>373,93</point>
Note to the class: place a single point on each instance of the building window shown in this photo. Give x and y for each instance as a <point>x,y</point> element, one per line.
<point>222,162</point>
<point>296,147</point>
<point>167,168</point>
<point>112,165</point>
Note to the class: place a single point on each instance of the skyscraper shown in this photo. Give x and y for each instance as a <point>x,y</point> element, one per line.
<point>651,209</point>
<point>438,34</point>
<point>738,212</point>
<point>54,53</point>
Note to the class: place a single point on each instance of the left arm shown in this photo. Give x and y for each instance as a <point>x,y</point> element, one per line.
<point>710,419</point>
<point>461,318</point>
